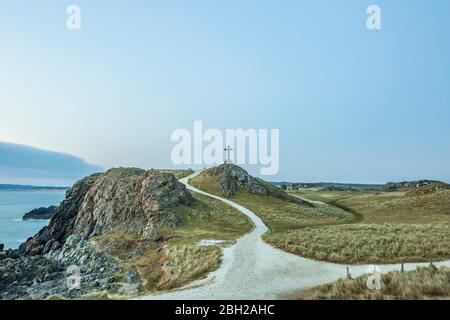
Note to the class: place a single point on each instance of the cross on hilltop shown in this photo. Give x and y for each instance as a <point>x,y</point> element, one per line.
<point>228,160</point>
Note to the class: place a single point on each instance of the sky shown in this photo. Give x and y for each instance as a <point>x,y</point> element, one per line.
<point>352,105</point>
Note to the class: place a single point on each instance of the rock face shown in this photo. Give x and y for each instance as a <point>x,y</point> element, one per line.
<point>40,214</point>
<point>232,177</point>
<point>120,201</point>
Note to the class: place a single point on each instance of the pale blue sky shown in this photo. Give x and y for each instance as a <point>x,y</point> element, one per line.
<point>352,105</point>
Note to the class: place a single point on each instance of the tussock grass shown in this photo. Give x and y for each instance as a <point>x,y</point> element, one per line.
<point>368,243</point>
<point>423,283</point>
<point>184,263</point>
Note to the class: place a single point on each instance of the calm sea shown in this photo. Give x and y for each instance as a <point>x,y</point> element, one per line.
<point>13,205</point>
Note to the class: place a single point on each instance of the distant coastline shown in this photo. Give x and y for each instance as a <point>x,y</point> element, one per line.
<point>19,187</point>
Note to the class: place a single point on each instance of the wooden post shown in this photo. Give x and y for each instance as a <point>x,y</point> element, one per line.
<point>403,267</point>
<point>348,273</point>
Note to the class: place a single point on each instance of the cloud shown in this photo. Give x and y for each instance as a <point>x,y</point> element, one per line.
<point>22,164</point>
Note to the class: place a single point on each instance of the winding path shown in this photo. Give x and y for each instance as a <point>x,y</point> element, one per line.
<point>252,269</point>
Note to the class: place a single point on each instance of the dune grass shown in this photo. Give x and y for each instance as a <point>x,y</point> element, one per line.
<point>423,283</point>
<point>185,262</point>
<point>368,243</point>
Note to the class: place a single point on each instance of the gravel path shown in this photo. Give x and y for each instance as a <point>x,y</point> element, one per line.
<point>252,269</point>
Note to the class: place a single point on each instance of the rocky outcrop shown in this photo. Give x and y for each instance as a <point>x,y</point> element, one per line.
<point>231,178</point>
<point>121,201</point>
<point>42,276</point>
<point>410,185</point>
<point>40,214</point>
<point>339,188</point>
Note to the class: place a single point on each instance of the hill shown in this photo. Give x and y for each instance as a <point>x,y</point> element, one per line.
<point>129,231</point>
<point>280,211</point>
<point>229,179</point>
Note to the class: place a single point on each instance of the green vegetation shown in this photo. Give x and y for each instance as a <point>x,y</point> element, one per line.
<point>177,259</point>
<point>423,283</point>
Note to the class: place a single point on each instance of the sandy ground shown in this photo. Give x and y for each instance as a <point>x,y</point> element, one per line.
<point>252,269</point>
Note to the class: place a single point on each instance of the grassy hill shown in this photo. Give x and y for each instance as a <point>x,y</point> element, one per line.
<point>408,225</point>
<point>280,211</point>
<point>370,226</point>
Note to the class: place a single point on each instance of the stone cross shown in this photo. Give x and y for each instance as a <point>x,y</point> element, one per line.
<point>228,160</point>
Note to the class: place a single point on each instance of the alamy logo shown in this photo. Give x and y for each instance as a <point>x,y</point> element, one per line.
<point>249,146</point>
<point>73,281</point>
<point>74,19</point>
<point>374,280</point>
<point>374,20</point>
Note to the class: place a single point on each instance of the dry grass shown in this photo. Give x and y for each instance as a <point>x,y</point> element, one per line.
<point>368,243</point>
<point>423,283</point>
<point>183,263</point>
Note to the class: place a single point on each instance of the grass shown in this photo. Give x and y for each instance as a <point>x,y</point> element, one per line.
<point>423,283</point>
<point>184,262</point>
<point>369,243</point>
<point>370,226</point>
<point>394,207</point>
<point>280,215</point>
<point>178,260</point>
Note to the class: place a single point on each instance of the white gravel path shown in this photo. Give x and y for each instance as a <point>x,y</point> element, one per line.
<point>252,269</point>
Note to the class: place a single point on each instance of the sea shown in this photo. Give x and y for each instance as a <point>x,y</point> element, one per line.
<point>14,204</point>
